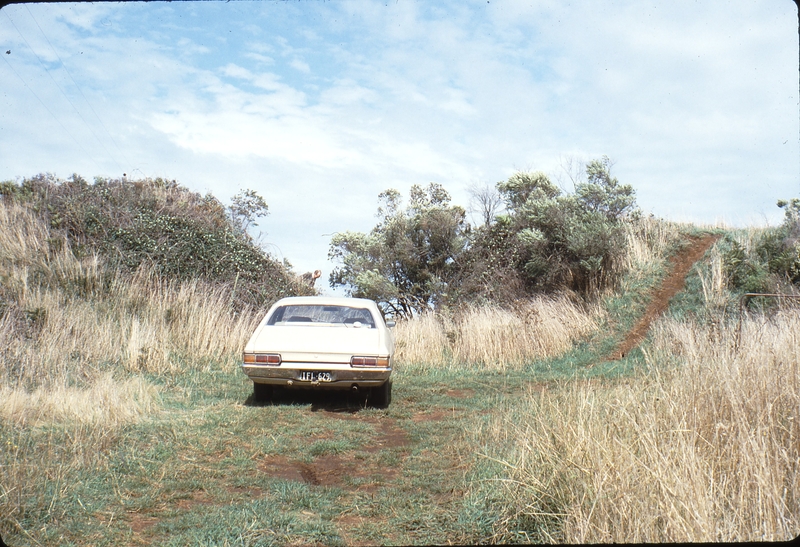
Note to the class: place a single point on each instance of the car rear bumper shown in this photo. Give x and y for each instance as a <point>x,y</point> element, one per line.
<point>342,376</point>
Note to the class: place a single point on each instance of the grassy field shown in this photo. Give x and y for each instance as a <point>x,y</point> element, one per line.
<point>119,427</point>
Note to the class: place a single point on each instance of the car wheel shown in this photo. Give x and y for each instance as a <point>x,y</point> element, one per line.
<point>382,395</point>
<point>262,392</point>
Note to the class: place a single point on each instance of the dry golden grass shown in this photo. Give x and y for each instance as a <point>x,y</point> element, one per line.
<point>138,326</point>
<point>495,338</point>
<point>72,322</point>
<point>422,340</point>
<point>648,241</point>
<point>22,236</point>
<point>543,327</point>
<point>106,401</point>
<point>75,340</point>
<point>705,450</point>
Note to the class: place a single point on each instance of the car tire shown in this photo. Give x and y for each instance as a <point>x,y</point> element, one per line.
<point>382,395</point>
<point>262,392</point>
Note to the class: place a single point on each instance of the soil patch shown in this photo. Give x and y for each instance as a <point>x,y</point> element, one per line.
<point>349,523</point>
<point>200,497</point>
<point>349,416</point>
<point>362,473</point>
<point>343,471</point>
<point>391,436</point>
<point>460,393</point>
<point>140,523</point>
<point>280,467</point>
<point>681,265</point>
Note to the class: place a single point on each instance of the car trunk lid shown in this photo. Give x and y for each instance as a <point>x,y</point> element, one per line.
<point>316,343</point>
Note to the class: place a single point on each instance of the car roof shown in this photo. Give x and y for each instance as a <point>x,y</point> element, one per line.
<point>326,301</point>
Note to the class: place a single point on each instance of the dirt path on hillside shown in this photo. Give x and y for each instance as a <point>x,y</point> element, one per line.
<point>681,265</point>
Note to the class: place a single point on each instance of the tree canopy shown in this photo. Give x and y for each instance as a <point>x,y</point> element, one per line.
<point>426,254</point>
<point>407,261</point>
<point>548,238</point>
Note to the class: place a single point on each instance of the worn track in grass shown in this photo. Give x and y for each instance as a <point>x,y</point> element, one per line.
<point>332,471</point>
<point>681,264</point>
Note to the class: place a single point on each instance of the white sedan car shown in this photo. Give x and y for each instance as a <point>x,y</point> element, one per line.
<point>319,342</point>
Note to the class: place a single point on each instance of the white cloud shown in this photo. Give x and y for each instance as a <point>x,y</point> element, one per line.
<point>235,71</point>
<point>234,133</point>
<point>300,66</point>
<point>347,92</point>
<point>259,57</point>
<point>187,46</point>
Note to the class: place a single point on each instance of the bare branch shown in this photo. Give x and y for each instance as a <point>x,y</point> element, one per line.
<point>485,201</point>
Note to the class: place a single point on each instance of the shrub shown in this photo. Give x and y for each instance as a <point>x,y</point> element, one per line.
<point>770,260</point>
<point>161,225</point>
<point>548,239</point>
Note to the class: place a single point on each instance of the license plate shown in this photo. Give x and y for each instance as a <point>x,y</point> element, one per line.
<point>309,376</point>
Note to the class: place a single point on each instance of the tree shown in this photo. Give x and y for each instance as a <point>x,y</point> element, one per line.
<point>548,238</point>
<point>245,207</point>
<point>603,193</point>
<point>486,201</point>
<point>407,261</point>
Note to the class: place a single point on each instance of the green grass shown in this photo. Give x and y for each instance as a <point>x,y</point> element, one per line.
<point>213,468</point>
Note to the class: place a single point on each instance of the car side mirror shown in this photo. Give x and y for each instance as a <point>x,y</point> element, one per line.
<point>390,324</point>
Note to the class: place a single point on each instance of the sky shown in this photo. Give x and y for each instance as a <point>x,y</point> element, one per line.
<point>320,106</point>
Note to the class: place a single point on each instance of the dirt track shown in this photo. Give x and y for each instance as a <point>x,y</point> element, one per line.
<point>681,264</point>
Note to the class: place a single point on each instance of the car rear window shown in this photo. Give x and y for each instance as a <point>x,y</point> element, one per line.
<point>299,315</point>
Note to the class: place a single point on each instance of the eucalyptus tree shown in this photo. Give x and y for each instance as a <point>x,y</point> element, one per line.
<point>407,261</point>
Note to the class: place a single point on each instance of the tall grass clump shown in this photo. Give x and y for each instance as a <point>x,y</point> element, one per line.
<point>490,337</point>
<point>65,320</point>
<point>544,327</point>
<point>423,340</point>
<point>107,401</point>
<point>82,334</point>
<point>705,448</point>
<point>648,240</point>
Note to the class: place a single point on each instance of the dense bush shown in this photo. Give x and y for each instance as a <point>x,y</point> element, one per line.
<point>771,261</point>
<point>427,255</point>
<point>548,239</point>
<point>161,224</point>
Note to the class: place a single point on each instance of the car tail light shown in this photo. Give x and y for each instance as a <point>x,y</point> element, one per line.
<point>262,358</point>
<point>358,361</point>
